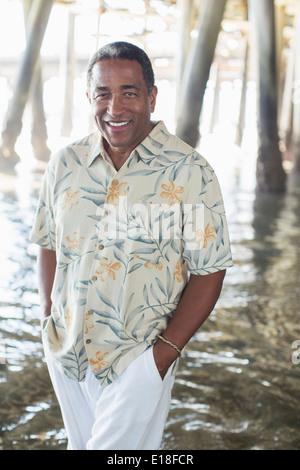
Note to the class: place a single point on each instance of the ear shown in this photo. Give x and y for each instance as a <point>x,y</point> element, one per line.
<point>88,97</point>
<point>153,96</point>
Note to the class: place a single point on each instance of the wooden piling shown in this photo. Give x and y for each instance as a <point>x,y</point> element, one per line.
<point>37,22</point>
<point>295,144</point>
<point>39,133</point>
<point>270,175</point>
<point>66,127</point>
<point>197,70</point>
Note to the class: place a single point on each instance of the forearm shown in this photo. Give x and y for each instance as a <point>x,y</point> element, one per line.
<point>197,302</point>
<point>46,263</point>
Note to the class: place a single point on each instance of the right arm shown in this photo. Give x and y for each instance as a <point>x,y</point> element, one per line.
<point>46,262</point>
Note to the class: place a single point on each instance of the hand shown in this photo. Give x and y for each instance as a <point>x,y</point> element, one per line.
<point>45,311</point>
<point>164,355</point>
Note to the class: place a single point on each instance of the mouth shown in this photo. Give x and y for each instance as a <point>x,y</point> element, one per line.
<point>117,125</point>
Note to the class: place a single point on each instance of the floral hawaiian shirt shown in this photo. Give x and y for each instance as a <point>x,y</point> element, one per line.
<point>125,244</point>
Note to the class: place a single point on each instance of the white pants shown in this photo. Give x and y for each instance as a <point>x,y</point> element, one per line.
<point>129,414</point>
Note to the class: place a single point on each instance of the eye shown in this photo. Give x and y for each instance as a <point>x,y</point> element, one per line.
<point>100,96</point>
<point>130,94</point>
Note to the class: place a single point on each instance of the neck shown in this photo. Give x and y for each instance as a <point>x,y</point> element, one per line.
<point>117,156</point>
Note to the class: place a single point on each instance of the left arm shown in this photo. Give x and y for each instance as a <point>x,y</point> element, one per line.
<point>197,302</point>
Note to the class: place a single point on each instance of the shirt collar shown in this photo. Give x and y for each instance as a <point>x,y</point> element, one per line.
<point>95,147</point>
<point>151,146</point>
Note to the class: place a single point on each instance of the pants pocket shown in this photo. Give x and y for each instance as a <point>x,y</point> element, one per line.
<point>153,367</point>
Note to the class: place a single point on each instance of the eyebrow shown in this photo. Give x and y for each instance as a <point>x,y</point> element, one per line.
<point>122,87</point>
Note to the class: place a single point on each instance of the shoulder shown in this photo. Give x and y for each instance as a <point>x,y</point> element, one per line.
<point>73,154</point>
<point>175,146</point>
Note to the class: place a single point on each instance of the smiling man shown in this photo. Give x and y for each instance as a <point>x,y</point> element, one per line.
<point>118,306</point>
<point>122,105</point>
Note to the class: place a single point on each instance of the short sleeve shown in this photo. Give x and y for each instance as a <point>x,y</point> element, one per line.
<point>44,230</point>
<point>206,242</point>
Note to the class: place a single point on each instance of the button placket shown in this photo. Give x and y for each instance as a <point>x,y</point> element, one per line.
<point>89,313</point>
<point>100,245</point>
<point>101,230</point>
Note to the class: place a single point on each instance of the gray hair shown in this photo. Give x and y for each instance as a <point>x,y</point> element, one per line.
<point>124,51</point>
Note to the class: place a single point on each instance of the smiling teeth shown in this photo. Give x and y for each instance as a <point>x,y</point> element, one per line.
<point>118,124</point>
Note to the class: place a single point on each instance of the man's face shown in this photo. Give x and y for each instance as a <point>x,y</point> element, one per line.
<point>121,104</point>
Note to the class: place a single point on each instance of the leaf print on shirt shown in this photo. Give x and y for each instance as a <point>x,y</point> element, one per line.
<point>171,192</point>
<point>116,191</point>
<point>107,268</point>
<point>207,235</point>
<point>158,298</point>
<point>98,362</point>
<point>71,199</point>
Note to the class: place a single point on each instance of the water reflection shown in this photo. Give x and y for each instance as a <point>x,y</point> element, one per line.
<point>237,387</point>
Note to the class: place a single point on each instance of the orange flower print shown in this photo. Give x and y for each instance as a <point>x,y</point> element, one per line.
<point>153,265</point>
<point>206,236</point>
<point>115,191</point>
<point>73,242</point>
<point>98,362</point>
<point>71,199</point>
<point>178,271</point>
<point>88,322</point>
<point>107,268</point>
<point>171,192</point>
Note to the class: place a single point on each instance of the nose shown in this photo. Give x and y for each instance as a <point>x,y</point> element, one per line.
<point>115,106</point>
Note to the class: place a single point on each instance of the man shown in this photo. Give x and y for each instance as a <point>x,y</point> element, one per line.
<point>133,251</point>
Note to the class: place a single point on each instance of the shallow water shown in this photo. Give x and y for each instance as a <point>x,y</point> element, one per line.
<point>237,386</point>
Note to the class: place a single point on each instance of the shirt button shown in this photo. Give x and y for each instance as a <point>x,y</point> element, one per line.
<point>88,341</point>
<point>106,213</point>
<point>94,278</point>
<point>115,182</point>
<point>90,312</point>
<point>101,247</point>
